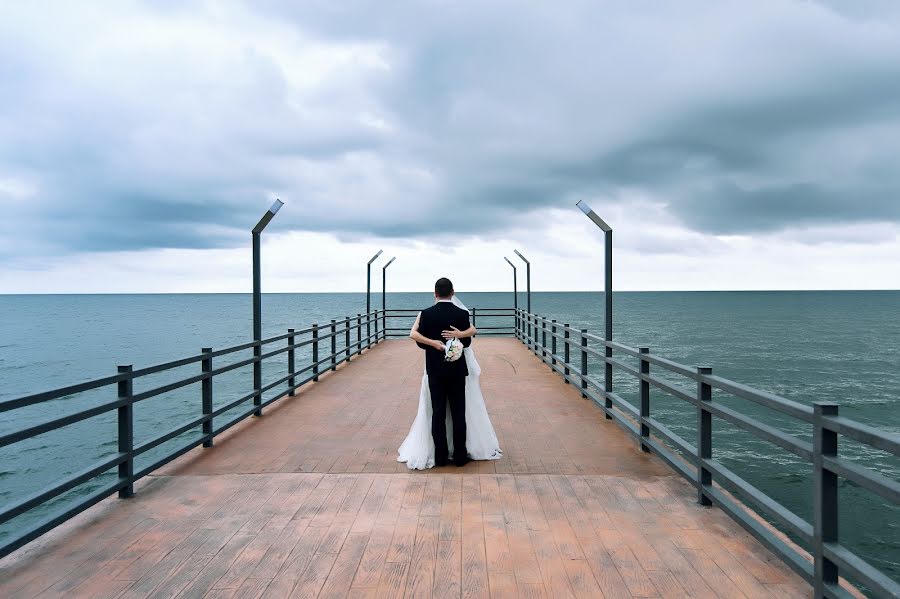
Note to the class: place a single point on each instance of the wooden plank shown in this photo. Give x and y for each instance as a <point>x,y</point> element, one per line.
<point>475,583</point>
<point>374,556</point>
<point>448,573</point>
<point>422,567</point>
<point>341,576</point>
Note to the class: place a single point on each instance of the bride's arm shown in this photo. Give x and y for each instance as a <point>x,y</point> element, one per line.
<point>421,339</point>
<point>454,332</point>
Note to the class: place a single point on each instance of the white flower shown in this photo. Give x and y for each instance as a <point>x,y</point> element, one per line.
<point>453,349</point>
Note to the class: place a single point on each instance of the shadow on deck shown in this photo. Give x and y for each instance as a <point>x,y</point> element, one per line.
<point>310,501</point>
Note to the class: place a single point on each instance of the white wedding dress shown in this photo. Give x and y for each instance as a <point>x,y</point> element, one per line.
<point>417,450</point>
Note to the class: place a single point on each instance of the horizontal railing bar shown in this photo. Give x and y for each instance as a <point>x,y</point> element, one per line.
<point>232,366</point>
<point>670,458</point>
<point>690,451</point>
<point>883,440</point>
<point>738,513</point>
<point>849,562</point>
<point>864,477</point>
<point>170,387</point>
<point>168,458</point>
<point>55,520</point>
<point>770,400</point>
<point>670,389</point>
<point>40,429</point>
<point>233,404</point>
<point>763,431</point>
<point>623,366</point>
<point>28,400</point>
<point>836,591</point>
<point>21,506</point>
<point>168,436</point>
<point>672,366</point>
<point>235,420</point>
<point>619,401</point>
<point>768,505</point>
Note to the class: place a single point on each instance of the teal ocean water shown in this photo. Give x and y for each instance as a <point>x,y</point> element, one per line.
<point>806,346</point>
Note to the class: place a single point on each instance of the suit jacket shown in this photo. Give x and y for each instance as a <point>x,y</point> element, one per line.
<point>440,317</point>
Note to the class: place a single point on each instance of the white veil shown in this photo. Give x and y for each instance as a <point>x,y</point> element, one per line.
<point>458,302</point>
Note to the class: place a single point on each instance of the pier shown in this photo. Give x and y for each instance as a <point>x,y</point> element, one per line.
<point>308,499</point>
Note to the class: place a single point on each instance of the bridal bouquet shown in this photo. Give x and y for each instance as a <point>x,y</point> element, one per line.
<point>453,349</point>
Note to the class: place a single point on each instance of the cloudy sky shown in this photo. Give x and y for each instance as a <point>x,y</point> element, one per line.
<point>732,145</point>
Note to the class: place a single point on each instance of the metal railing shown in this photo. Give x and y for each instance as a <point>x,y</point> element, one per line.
<point>714,482</point>
<point>338,333</point>
<point>489,318</point>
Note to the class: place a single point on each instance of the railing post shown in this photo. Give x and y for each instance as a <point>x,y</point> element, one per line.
<point>584,363</point>
<point>704,435</point>
<point>126,431</point>
<point>206,398</point>
<point>543,339</point>
<point>530,340</point>
<point>566,350</point>
<point>553,343</point>
<point>347,339</point>
<point>825,498</point>
<point>645,399</point>
<point>376,328</point>
<point>358,334</point>
<point>473,316</point>
<point>315,352</point>
<point>290,341</point>
<point>384,327</point>
<point>333,344</point>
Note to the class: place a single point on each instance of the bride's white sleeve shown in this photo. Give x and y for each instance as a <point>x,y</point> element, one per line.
<point>415,326</point>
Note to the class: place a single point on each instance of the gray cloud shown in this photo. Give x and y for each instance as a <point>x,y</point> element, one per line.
<point>417,120</point>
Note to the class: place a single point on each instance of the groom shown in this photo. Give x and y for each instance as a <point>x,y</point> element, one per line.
<point>446,380</point>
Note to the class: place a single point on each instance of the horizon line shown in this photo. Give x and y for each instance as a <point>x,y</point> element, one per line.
<point>374,292</point>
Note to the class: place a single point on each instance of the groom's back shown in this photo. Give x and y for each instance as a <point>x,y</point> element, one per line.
<point>434,320</point>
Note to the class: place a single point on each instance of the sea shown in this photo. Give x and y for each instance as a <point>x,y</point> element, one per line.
<point>807,346</point>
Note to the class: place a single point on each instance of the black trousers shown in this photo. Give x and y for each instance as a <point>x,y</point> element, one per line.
<point>448,390</point>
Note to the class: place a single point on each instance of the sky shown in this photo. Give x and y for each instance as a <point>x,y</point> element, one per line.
<point>730,145</point>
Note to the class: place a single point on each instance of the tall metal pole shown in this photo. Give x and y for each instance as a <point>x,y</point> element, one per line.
<point>515,296</point>
<point>257,302</point>
<point>607,379</point>
<point>384,297</point>
<point>527,285</point>
<point>369,296</point>
<point>608,371</point>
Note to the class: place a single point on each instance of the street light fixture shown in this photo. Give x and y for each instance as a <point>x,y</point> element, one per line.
<point>515,294</point>
<point>384,296</point>
<point>257,302</point>
<point>607,232</point>
<point>527,287</point>
<point>369,297</point>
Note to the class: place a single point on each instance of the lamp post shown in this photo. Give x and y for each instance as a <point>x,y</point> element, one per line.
<point>384,296</point>
<point>515,294</point>
<point>257,303</point>
<point>369,297</point>
<point>607,232</point>
<point>527,287</point>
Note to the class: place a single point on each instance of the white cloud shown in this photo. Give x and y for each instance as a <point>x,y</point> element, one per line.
<point>147,137</point>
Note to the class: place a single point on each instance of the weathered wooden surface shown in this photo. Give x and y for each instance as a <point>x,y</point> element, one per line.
<point>309,501</point>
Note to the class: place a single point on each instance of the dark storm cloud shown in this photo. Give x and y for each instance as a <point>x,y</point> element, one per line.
<point>417,120</point>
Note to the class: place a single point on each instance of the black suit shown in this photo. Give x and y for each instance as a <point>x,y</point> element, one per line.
<point>446,380</point>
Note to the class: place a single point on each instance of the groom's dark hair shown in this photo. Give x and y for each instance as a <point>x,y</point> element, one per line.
<point>443,288</point>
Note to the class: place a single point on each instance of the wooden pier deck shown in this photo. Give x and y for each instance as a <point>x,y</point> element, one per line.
<point>309,501</point>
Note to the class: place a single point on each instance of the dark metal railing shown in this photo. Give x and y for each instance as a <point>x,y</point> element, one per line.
<point>490,317</point>
<point>206,425</point>
<point>826,557</point>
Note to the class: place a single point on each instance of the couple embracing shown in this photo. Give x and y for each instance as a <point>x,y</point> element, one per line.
<point>452,418</point>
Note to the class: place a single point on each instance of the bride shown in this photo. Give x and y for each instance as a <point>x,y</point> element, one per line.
<point>481,440</point>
